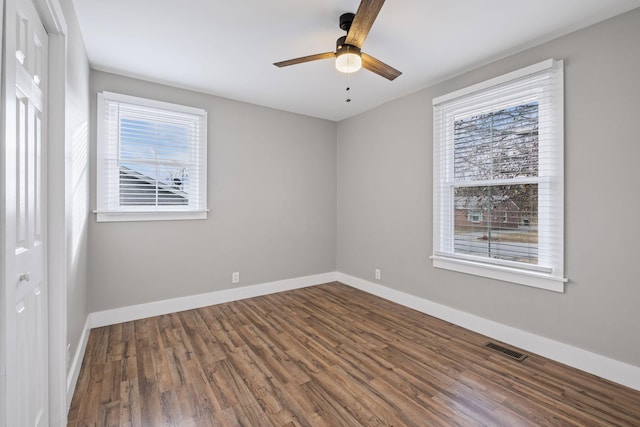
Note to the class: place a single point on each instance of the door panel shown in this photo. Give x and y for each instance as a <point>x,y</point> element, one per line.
<point>28,322</point>
<point>21,172</point>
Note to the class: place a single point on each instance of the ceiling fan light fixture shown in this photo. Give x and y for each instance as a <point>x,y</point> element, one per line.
<point>348,59</point>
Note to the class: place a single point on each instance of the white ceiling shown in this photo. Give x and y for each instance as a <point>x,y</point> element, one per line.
<point>227,48</point>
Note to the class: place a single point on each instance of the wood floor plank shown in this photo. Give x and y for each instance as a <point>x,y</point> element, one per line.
<point>129,403</point>
<point>205,393</point>
<point>326,355</point>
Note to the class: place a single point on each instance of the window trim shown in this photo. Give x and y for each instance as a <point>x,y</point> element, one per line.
<point>139,213</point>
<point>499,272</point>
<point>539,276</point>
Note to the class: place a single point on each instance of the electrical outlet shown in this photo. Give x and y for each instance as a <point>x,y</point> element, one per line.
<point>377,274</point>
<point>235,277</point>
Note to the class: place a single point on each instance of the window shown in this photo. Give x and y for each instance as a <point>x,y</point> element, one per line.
<point>498,178</point>
<point>151,161</point>
<point>475,216</point>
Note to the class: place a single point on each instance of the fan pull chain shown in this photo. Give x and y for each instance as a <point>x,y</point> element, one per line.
<point>348,88</point>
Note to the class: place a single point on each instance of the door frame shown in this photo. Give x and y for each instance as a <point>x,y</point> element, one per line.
<point>56,153</point>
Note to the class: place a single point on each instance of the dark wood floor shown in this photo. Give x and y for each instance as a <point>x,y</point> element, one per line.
<point>328,355</point>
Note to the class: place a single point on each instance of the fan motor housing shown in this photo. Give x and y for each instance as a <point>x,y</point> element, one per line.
<point>341,45</point>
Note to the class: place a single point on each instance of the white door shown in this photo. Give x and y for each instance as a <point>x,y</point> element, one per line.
<point>26,323</point>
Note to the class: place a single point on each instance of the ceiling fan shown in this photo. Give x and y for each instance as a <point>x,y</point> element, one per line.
<point>348,56</point>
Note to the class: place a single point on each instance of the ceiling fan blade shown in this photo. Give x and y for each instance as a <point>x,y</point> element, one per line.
<point>372,64</point>
<point>362,22</point>
<point>302,59</point>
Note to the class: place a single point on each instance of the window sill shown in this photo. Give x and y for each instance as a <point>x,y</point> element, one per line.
<point>498,272</point>
<point>149,216</point>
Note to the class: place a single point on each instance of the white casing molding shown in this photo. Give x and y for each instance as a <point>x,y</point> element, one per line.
<point>52,17</point>
<point>157,308</point>
<point>593,363</point>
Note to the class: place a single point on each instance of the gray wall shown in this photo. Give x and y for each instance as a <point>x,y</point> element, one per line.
<point>272,195</point>
<point>385,198</point>
<point>77,140</point>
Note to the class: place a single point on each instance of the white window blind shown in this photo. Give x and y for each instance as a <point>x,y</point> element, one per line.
<point>498,178</point>
<point>151,160</point>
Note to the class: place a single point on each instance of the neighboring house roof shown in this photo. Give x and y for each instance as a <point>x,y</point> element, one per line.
<point>139,189</point>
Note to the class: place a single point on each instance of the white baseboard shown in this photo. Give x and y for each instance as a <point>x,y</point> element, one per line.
<point>141,311</point>
<point>596,364</point>
<point>74,369</point>
<point>157,308</point>
<point>602,366</point>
